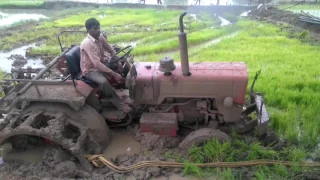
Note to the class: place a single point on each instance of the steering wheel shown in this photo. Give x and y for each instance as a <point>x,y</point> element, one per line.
<point>113,59</point>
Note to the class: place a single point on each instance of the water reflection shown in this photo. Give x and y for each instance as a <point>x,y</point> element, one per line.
<point>6,63</point>
<point>9,19</point>
<point>224,22</point>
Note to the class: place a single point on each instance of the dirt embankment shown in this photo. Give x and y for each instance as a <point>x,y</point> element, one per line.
<point>278,15</point>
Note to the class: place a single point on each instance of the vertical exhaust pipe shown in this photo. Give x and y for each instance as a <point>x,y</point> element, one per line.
<point>183,48</point>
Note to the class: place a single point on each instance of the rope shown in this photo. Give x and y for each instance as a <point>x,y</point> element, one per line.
<point>100,161</point>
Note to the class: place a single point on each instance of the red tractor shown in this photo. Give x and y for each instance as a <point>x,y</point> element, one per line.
<point>206,97</point>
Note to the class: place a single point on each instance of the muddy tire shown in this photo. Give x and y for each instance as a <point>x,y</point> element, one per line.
<point>80,132</point>
<point>88,117</point>
<point>201,136</point>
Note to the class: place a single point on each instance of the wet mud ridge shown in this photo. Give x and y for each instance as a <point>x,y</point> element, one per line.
<point>279,15</point>
<point>18,60</point>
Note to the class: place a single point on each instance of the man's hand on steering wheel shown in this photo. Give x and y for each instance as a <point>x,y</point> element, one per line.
<point>113,59</point>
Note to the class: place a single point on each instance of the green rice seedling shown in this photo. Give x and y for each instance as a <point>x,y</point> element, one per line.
<point>21,3</point>
<point>301,7</point>
<point>253,151</point>
<point>194,38</point>
<point>288,69</point>
<point>17,39</point>
<point>216,151</point>
<point>116,16</point>
<point>190,168</point>
<point>294,153</point>
<point>196,154</point>
<point>46,50</point>
<point>225,173</point>
<point>126,37</point>
<point>161,36</point>
<point>273,172</point>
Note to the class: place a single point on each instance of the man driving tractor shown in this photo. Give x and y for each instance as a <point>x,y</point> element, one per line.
<point>93,55</point>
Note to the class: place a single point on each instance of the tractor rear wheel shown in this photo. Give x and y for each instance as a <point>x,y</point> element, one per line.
<point>201,136</point>
<point>80,132</point>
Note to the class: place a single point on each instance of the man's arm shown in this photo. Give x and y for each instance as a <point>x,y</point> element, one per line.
<point>94,56</point>
<point>107,46</point>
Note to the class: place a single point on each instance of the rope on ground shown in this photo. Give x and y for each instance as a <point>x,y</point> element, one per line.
<point>100,161</point>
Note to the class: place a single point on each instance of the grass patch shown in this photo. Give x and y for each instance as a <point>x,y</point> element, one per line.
<point>301,7</point>
<point>145,26</point>
<point>17,39</point>
<point>242,150</point>
<point>289,70</point>
<point>113,16</point>
<point>193,38</point>
<point>33,3</point>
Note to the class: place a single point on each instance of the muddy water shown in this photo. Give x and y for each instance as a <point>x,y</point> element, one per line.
<point>122,143</point>
<point>8,19</point>
<point>224,22</point>
<point>30,156</point>
<point>245,14</point>
<point>5,64</point>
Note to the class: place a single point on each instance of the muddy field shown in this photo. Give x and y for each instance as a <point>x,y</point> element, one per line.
<point>52,162</point>
<point>59,164</point>
<point>130,146</point>
<point>278,15</point>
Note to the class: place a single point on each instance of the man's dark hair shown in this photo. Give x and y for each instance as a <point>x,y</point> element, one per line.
<point>92,22</point>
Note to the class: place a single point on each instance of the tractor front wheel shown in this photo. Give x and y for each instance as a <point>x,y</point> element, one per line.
<point>201,136</point>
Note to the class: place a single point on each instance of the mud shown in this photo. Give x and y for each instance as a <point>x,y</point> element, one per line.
<point>57,163</point>
<point>279,15</point>
<point>118,147</point>
<point>18,60</point>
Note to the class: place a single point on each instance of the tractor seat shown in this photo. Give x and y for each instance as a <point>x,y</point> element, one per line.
<point>73,63</point>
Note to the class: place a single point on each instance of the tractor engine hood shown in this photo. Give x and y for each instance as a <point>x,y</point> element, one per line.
<point>219,80</point>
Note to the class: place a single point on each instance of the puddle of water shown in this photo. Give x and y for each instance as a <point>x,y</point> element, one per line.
<point>197,48</point>
<point>245,14</point>
<point>224,22</point>
<point>124,44</point>
<point>122,143</point>
<point>6,63</point>
<point>194,16</point>
<point>10,19</point>
<point>32,155</point>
